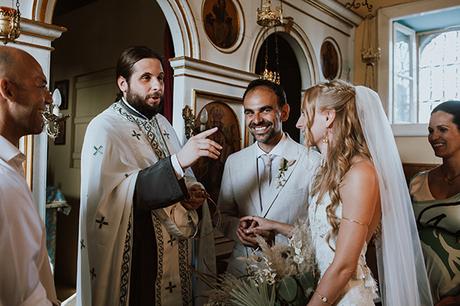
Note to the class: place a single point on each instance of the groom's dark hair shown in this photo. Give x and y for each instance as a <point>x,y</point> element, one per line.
<point>277,89</point>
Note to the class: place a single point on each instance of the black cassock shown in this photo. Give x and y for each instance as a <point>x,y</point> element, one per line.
<point>156,187</point>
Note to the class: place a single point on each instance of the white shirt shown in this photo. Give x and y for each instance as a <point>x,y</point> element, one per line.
<point>276,153</point>
<point>24,265</point>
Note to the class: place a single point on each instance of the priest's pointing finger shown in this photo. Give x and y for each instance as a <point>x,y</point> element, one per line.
<point>198,146</point>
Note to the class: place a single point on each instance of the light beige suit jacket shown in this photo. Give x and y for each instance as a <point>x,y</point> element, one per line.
<point>239,193</point>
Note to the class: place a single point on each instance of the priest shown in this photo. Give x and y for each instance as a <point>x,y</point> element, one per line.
<point>138,196</point>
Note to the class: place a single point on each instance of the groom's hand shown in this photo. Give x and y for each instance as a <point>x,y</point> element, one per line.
<point>245,239</point>
<point>247,232</point>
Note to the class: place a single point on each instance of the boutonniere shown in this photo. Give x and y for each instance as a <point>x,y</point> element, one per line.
<point>284,166</point>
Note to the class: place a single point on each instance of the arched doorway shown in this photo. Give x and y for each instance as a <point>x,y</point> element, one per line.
<point>289,70</point>
<point>84,62</point>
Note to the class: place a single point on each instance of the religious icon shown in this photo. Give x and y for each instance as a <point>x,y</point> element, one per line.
<point>330,60</point>
<point>221,22</point>
<point>209,171</point>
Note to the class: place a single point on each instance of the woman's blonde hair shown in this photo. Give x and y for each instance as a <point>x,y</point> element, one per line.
<point>347,141</point>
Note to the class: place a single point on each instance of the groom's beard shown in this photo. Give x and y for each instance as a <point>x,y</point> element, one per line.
<point>141,105</point>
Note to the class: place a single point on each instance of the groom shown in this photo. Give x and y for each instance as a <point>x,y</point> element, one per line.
<point>269,178</point>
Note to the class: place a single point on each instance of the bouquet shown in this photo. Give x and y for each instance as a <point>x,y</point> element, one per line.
<point>278,275</point>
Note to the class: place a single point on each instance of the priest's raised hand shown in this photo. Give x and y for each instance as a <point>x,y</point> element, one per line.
<point>198,146</point>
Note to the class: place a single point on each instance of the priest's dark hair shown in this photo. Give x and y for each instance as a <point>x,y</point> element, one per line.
<point>451,107</point>
<point>277,89</point>
<point>131,56</point>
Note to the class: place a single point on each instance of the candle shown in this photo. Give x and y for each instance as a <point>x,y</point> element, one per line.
<point>56,111</point>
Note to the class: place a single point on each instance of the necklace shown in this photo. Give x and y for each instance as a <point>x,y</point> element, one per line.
<point>450,180</point>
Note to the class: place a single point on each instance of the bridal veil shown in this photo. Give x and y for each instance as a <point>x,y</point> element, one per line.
<point>402,275</point>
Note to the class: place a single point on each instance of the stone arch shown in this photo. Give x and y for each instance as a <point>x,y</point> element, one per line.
<point>302,47</point>
<point>178,15</point>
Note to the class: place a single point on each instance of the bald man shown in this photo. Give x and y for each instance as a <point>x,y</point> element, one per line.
<point>25,274</point>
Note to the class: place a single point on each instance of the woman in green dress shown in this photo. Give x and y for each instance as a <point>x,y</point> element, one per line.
<point>436,202</point>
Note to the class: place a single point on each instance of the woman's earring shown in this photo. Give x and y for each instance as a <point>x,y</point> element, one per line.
<point>325,141</point>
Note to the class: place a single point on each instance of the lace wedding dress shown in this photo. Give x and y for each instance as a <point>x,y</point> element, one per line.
<point>362,288</point>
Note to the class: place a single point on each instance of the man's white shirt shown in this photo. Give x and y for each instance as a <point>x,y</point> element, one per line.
<point>25,275</point>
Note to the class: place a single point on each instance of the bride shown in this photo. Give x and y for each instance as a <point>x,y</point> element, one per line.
<point>359,192</point>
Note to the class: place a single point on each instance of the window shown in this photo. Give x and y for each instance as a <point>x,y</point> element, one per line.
<point>426,72</point>
<point>439,70</point>
<point>404,75</point>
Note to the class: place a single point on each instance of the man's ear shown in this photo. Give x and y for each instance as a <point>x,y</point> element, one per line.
<point>330,117</point>
<point>285,109</point>
<point>122,84</point>
<point>6,89</point>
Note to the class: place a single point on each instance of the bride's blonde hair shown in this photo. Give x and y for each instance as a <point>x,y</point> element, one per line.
<point>347,141</point>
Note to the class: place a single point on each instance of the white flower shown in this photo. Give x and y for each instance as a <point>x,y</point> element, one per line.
<point>284,166</point>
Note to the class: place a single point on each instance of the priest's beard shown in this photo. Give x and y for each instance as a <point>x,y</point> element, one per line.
<point>141,105</point>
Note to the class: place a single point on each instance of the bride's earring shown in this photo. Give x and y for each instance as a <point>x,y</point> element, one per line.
<point>325,141</point>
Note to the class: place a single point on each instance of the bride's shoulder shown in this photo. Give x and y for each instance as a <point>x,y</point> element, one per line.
<point>360,187</point>
<point>361,173</point>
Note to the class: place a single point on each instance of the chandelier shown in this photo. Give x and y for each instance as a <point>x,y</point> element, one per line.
<point>267,74</point>
<point>9,23</point>
<point>268,17</point>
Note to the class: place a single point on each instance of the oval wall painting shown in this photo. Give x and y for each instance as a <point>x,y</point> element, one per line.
<point>221,22</point>
<point>330,60</point>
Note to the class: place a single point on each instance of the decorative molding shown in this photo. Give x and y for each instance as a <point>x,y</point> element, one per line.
<point>328,11</point>
<point>302,48</point>
<point>202,69</point>
<point>337,10</point>
<point>41,29</point>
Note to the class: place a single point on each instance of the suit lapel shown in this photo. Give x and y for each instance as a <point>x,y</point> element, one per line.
<point>291,153</point>
<point>249,175</point>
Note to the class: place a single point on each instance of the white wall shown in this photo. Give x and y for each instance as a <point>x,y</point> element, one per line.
<point>86,55</point>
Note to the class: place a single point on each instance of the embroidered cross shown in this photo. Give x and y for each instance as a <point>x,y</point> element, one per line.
<point>97,150</point>
<point>136,134</point>
<point>166,134</point>
<point>126,174</point>
<point>171,240</point>
<point>82,244</point>
<point>93,273</point>
<point>170,287</point>
<point>101,222</point>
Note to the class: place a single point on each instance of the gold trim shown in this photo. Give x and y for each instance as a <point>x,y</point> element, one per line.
<point>44,24</point>
<point>240,38</point>
<point>218,95</point>
<point>189,33</point>
<point>316,18</point>
<point>325,9</point>
<point>34,7</point>
<point>211,80</point>
<point>43,10</point>
<point>226,68</point>
<point>301,38</point>
<point>196,30</point>
<point>23,43</point>
<point>244,141</point>
<point>337,48</point>
<point>217,73</point>
<point>179,25</point>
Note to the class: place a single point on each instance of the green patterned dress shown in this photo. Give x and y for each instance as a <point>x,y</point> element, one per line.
<point>439,228</point>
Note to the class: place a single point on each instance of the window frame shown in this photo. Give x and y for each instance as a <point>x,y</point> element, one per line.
<point>385,18</point>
